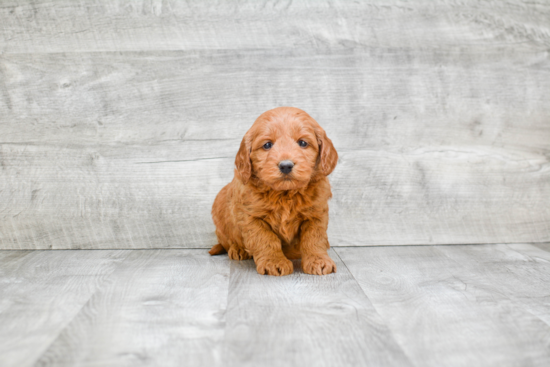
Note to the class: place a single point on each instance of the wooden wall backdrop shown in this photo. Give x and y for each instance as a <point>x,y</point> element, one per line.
<point>120,120</point>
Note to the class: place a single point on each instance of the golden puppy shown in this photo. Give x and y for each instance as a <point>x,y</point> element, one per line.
<point>276,207</point>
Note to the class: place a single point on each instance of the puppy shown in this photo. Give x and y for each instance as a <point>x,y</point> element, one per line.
<point>276,207</point>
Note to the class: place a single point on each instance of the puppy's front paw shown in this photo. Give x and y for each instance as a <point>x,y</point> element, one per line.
<point>318,265</point>
<point>237,253</point>
<point>277,267</point>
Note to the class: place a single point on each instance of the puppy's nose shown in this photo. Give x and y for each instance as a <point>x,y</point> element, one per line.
<point>286,166</point>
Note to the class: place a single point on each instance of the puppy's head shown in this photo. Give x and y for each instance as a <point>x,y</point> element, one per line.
<point>285,149</point>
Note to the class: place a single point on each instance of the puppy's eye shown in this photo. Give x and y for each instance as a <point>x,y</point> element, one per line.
<point>302,143</point>
<point>268,145</point>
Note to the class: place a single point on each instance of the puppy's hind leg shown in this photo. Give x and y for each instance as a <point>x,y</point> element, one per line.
<point>234,250</point>
<point>237,252</point>
<point>217,250</point>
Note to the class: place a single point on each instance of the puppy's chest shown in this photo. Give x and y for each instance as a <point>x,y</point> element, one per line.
<point>285,219</point>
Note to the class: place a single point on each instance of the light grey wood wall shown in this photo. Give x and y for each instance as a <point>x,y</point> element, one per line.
<point>120,120</point>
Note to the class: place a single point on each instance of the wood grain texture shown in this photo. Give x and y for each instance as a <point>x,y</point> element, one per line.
<point>119,121</point>
<point>460,305</point>
<point>126,308</point>
<point>304,319</point>
<point>40,293</point>
<point>399,306</point>
<point>128,25</point>
<point>521,270</point>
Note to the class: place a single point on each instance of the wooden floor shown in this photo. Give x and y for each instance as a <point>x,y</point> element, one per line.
<point>470,305</point>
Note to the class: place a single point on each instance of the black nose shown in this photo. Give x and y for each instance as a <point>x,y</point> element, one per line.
<point>286,166</point>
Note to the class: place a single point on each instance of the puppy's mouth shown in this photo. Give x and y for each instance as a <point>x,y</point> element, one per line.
<point>289,179</point>
<point>288,182</point>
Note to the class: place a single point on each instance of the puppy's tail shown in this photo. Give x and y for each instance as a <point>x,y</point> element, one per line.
<point>217,250</point>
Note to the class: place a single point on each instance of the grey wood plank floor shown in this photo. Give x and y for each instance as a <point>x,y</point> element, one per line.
<point>462,305</point>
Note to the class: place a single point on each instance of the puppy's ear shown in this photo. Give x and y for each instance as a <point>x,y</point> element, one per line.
<point>328,157</point>
<point>243,165</point>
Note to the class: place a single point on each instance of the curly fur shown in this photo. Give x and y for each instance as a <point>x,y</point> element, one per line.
<point>273,217</point>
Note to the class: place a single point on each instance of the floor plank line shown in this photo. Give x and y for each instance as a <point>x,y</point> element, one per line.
<point>404,305</point>
<point>303,319</point>
<point>42,294</point>
<point>446,309</point>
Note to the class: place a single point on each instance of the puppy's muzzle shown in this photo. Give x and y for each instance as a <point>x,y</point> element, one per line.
<point>286,167</point>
